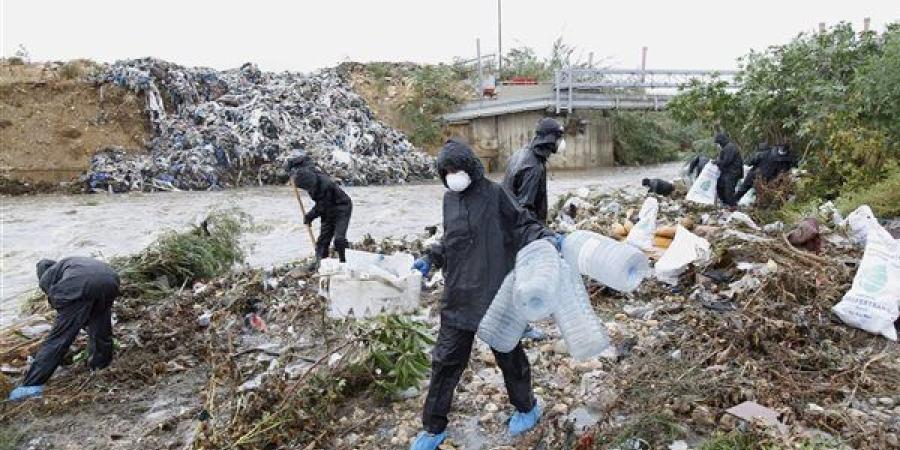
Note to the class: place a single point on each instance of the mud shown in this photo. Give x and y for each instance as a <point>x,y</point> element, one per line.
<point>50,127</point>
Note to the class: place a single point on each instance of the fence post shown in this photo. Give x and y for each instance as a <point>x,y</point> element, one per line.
<point>571,82</point>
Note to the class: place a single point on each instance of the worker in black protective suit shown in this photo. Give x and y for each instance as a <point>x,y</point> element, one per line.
<point>81,290</point>
<point>484,228</point>
<point>731,169</point>
<point>767,163</point>
<point>526,170</point>
<point>695,166</point>
<point>658,186</point>
<point>333,206</point>
<point>526,179</point>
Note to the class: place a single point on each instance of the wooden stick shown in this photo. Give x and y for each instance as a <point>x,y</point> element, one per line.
<point>312,237</point>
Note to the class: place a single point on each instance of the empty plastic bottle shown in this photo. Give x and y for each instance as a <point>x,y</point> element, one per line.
<point>502,325</point>
<point>584,333</point>
<point>617,265</point>
<point>537,279</point>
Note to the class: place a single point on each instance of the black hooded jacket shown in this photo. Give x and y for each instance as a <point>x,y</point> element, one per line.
<point>75,278</point>
<point>775,162</point>
<point>526,180</point>
<point>331,200</point>
<point>730,163</point>
<point>484,228</point>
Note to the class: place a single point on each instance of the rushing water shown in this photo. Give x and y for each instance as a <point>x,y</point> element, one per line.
<point>50,226</point>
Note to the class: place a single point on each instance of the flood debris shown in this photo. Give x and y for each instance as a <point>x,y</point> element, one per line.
<point>748,321</point>
<point>217,129</point>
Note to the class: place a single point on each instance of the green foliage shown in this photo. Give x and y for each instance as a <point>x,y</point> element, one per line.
<point>433,95</point>
<point>9,437</point>
<point>398,358</point>
<point>730,441</point>
<point>656,430</point>
<point>178,259</point>
<point>883,197</point>
<point>710,105</point>
<point>650,137</point>
<point>524,62</point>
<point>834,95</point>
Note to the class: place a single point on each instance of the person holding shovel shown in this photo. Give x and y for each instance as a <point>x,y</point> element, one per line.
<point>333,206</point>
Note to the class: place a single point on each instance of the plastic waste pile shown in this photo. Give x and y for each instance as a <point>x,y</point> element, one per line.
<point>641,235</point>
<point>542,285</point>
<point>369,284</point>
<point>612,263</point>
<point>686,248</point>
<point>703,190</point>
<point>215,129</point>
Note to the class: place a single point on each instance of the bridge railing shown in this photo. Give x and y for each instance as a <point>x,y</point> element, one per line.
<point>628,83</point>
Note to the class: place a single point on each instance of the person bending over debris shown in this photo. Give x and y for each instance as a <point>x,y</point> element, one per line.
<point>695,166</point>
<point>658,186</point>
<point>731,168</point>
<point>333,206</point>
<point>767,164</point>
<point>484,227</point>
<point>526,178</point>
<point>81,290</point>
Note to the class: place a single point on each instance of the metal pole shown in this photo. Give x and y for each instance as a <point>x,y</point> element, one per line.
<point>643,64</point>
<point>866,22</point>
<point>571,76</point>
<point>556,86</point>
<point>499,42</point>
<point>591,60</point>
<point>480,72</point>
<point>821,27</point>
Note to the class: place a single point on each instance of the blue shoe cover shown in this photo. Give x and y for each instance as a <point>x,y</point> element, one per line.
<point>428,441</point>
<point>24,392</point>
<point>522,422</point>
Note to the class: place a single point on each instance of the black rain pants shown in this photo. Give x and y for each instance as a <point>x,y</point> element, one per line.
<point>334,226</point>
<point>94,315</point>
<point>449,359</point>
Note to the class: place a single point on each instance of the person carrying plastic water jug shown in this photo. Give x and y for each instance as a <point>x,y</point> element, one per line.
<point>526,177</point>
<point>81,290</point>
<point>484,228</point>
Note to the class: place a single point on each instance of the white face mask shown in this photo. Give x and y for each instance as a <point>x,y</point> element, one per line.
<point>458,181</point>
<point>561,144</point>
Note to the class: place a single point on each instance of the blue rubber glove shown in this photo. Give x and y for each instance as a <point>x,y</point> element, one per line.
<point>522,422</point>
<point>423,265</point>
<point>428,441</point>
<point>557,241</point>
<point>26,392</point>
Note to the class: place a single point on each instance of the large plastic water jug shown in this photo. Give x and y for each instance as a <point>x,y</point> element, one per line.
<point>537,279</point>
<point>617,265</point>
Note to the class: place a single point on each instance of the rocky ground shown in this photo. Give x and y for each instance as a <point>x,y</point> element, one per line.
<point>249,360</point>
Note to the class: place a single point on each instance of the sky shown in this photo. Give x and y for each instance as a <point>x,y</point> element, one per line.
<point>307,35</point>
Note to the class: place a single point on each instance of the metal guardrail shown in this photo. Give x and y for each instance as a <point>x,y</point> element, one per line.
<point>569,81</point>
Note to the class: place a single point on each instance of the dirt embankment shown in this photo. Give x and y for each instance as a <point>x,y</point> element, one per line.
<point>52,121</point>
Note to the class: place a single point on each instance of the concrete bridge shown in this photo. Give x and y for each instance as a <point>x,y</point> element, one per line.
<point>498,126</point>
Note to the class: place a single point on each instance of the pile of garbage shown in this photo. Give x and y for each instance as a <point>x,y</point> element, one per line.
<point>732,336</point>
<point>216,129</point>
<point>744,317</point>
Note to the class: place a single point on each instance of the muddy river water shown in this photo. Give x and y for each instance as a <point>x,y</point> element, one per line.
<point>53,226</point>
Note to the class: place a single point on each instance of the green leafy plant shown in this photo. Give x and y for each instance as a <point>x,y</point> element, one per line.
<point>179,258</point>
<point>397,353</point>
<point>833,95</point>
